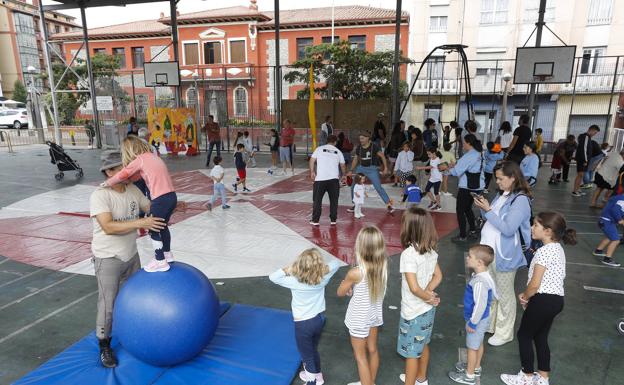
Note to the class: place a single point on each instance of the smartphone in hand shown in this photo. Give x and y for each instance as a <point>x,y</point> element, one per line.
<point>475,195</point>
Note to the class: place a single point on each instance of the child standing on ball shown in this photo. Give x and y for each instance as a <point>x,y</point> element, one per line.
<point>478,296</point>
<point>306,278</point>
<point>138,160</point>
<point>366,284</point>
<point>421,275</point>
<point>359,193</point>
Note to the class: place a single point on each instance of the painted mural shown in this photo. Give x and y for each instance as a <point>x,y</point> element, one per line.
<point>173,130</point>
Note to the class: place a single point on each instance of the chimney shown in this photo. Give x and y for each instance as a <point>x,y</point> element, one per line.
<point>162,15</point>
<point>253,5</point>
<point>178,13</point>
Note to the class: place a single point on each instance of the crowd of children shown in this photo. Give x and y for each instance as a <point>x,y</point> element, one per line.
<point>366,280</point>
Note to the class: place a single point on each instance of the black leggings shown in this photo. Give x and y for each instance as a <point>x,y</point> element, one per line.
<point>534,328</point>
<point>464,212</point>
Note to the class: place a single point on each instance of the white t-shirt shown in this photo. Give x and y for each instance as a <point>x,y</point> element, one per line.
<point>552,257</point>
<point>434,174</point>
<point>328,161</point>
<point>123,207</point>
<point>404,161</point>
<point>217,172</point>
<point>423,265</point>
<point>360,190</point>
<point>490,235</point>
<point>248,144</point>
<point>505,139</point>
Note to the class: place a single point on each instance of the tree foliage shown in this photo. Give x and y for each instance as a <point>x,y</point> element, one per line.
<point>105,74</point>
<point>19,92</point>
<point>345,72</point>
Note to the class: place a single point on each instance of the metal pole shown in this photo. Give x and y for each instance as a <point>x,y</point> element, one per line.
<point>538,43</point>
<point>44,28</point>
<point>395,69</point>
<point>227,110</point>
<point>578,65</point>
<point>134,107</point>
<point>504,106</point>
<point>174,36</point>
<point>607,125</point>
<point>332,25</point>
<point>96,120</point>
<point>278,77</point>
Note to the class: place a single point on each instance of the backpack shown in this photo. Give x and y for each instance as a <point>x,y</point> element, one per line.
<point>528,249</point>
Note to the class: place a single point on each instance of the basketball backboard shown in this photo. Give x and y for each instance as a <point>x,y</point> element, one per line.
<point>544,64</point>
<point>160,74</point>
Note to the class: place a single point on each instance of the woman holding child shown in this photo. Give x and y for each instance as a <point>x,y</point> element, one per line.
<point>506,230</point>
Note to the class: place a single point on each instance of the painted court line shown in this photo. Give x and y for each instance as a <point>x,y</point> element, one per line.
<point>36,292</point>
<point>20,278</point>
<point>40,320</point>
<point>594,265</point>
<point>603,290</point>
<point>5,260</point>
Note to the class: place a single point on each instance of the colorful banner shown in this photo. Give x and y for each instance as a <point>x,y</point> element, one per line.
<point>311,109</point>
<point>173,130</point>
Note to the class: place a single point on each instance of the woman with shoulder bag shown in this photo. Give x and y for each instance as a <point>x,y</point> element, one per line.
<point>469,170</point>
<point>508,231</point>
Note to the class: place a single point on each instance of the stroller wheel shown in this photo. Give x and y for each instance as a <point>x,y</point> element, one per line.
<point>620,325</point>
<point>57,176</point>
<point>80,174</point>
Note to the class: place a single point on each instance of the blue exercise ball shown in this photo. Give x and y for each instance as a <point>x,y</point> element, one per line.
<point>166,318</point>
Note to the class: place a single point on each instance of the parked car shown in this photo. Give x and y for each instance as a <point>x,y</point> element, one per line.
<point>14,118</point>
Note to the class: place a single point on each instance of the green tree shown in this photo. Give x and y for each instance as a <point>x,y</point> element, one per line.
<point>19,92</point>
<point>349,73</point>
<point>105,74</point>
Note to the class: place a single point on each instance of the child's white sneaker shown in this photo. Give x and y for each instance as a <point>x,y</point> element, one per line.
<point>169,257</point>
<point>156,265</point>
<point>402,378</point>
<point>306,376</point>
<point>517,379</point>
<point>461,367</point>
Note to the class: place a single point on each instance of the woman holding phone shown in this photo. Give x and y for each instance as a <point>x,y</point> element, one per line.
<point>507,229</point>
<point>469,170</point>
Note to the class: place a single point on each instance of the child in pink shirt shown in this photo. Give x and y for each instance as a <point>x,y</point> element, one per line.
<point>139,160</point>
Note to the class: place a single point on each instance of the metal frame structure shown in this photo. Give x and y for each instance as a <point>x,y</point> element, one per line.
<point>84,4</point>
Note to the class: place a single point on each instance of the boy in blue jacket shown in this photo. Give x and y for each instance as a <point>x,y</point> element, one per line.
<point>611,216</point>
<point>491,157</point>
<point>477,299</point>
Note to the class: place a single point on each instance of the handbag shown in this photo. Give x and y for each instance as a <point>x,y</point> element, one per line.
<point>528,249</point>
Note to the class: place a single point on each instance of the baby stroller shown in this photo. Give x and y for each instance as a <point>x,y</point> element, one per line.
<point>64,162</point>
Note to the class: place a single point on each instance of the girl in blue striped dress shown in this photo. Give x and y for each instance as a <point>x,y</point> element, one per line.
<point>366,284</point>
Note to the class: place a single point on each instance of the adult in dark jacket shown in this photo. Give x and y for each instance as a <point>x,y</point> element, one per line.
<point>583,155</point>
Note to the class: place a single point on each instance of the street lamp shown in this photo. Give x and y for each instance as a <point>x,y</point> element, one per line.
<point>506,78</point>
<point>31,101</point>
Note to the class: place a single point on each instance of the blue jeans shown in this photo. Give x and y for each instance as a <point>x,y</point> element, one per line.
<point>372,174</point>
<point>162,207</point>
<point>210,146</point>
<point>219,189</point>
<point>307,335</point>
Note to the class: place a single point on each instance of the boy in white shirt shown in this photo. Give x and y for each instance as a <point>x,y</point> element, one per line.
<point>217,173</point>
<point>403,166</point>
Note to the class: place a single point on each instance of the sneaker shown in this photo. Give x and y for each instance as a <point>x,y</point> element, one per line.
<point>599,253</point>
<point>462,377</point>
<point>156,265</point>
<point>576,194</point>
<point>448,194</point>
<point>209,206</point>
<point>107,358</point>
<point>245,189</point>
<point>517,379</point>
<point>587,185</point>
<point>458,238</point>
<point>351,209</point>
<point>225,207</point>
<point>610,262</point>
<point>431,205</point>
<point>358,216</point>
<point>306,376</point>
<point>332,223</point>
<point>402,378</point>
<point>473,234</point>
<point>495,341</point>
<point>538,380</point>
<point>314,223</point>
<point>461,367</point>
<point>390,209</point>
<point>436,208</point>
<point>270,172</point>
<point>169,257</point>
<point>235,187</point>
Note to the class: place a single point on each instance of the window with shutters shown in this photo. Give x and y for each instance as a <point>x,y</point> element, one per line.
<point>191,53</point>
<point>121,54</point>
<point>238,52</point>
<point>240,101</point>
<point>138,57</point>
<point>212,52</point>
<point>438,23</point>
<point>494,11</point>
<point>599,12</point>
<point>358,42</point>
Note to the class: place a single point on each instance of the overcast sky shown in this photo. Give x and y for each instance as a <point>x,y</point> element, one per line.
<point>101,16</point>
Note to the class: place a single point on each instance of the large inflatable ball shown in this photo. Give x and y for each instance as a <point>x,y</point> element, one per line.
<point>166,318</point>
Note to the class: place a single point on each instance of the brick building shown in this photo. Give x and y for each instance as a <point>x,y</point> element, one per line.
<point>232,51</point>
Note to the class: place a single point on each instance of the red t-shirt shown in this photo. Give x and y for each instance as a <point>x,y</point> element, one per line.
<point>287,137</point>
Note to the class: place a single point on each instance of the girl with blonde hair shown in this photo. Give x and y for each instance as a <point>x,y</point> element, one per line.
<point>366,283</point>
<point>140,162</point>
<point>306,278</point>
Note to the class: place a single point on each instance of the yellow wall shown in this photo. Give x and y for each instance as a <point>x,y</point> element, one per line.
<point>583,105</point>
<point>8,67</point>
<point>415,112</point>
